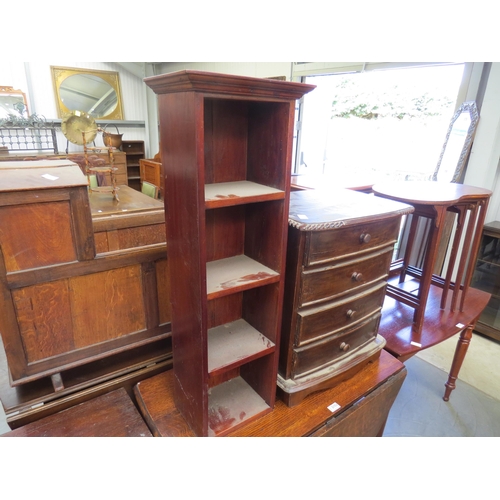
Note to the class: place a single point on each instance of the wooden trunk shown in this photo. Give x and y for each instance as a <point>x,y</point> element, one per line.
<point>82,276</point>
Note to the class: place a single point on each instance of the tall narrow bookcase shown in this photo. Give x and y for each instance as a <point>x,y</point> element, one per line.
<point>226,145</point>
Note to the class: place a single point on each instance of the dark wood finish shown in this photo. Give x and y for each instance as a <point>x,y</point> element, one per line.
<point>364,401</point>
<point>226,145</point>
<point>433,201</point>
<point>134,153</point>
<point>487,277</point>
<point>340,246</point>
<point>110,415</point>
<point>80,276</point>
<point>404,341</point>
<point>34,400</point>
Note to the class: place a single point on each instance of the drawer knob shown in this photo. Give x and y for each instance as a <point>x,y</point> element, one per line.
<point>365,238</point>
<point>344,347</point>
<point>350,313</point>
<point>357,277</point>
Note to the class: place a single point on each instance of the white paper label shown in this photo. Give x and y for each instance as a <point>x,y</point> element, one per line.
<point>416,344</point>
<point>303,217</point>
<point>50,177</point>
<point>459,325</point>
<point>334,407</point>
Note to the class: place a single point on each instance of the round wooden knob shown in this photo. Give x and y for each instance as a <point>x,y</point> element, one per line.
<point>357,277</point>
<point>350,313</point>
<point>344,347</point>
<point>365,238</point>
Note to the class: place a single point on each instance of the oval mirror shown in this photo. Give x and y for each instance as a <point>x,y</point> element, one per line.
<point>90,91</point>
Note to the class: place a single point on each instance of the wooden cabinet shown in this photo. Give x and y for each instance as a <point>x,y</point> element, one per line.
<point>226,151</point>
<point>487,277</point>
<point>151,171</point>
<point>340,246</point>
<point>134,152</point>
<point>82,277</point>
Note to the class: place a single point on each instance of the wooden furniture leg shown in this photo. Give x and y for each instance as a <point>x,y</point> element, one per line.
<point>458,358</point>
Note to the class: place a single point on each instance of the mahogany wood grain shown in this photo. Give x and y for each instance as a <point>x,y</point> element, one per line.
<point>404,341</point>
<point>434,201</point>
<point>155,399</point>
<point>110,415</point>
<point>339,253</point>
<point>226,145</point>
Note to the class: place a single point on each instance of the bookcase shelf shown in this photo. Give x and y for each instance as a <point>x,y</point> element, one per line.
<point>226,145</point>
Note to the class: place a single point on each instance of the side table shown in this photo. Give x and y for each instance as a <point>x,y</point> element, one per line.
<point>433,201</point>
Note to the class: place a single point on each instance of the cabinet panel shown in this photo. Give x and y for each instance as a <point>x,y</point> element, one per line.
<point>316,356</point>
<point>334,281</point>
<point>36,234</point>
<point>316,322</point>
<point>487,278</point>
<point>351,240</point>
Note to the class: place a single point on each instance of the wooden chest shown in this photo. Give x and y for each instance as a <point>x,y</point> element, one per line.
<point>81,277</point>
<point>340,247</point>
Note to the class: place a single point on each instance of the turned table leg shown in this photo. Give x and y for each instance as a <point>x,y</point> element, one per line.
<point>458,359</point>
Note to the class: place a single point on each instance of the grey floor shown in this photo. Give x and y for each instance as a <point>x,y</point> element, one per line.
<point>419,410</point>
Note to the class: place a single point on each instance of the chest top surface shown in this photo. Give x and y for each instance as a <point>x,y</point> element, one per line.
<point>312,210</point>
<point>40,174</point>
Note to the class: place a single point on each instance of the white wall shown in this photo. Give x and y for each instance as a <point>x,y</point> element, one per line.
<point>256,69</point>
<point>35,80</point>
<point>483,167</point>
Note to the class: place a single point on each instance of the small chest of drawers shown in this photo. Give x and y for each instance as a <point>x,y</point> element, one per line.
<point>340,247</point>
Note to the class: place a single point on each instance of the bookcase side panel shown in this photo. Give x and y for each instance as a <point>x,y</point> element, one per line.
<point>181,130</point>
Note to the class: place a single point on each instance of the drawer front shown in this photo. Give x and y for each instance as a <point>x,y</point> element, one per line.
<point>320,354</point>
<point>334,281</point>
<point>318,322</point>
<point>338,243</point>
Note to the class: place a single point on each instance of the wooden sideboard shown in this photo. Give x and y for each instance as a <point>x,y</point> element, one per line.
<point>82,277</point>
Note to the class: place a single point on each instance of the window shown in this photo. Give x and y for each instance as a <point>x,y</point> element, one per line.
<point>367,126</point>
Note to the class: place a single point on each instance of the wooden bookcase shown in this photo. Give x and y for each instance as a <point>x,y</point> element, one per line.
<point>134,151</point>
<point>226,151</point>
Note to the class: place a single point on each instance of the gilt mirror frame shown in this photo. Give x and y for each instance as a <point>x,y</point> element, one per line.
<point>112,78</point>
<point>17,95</point>
<point>460,140</point>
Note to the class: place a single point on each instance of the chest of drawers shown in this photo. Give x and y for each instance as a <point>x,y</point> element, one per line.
<point>340,247</point>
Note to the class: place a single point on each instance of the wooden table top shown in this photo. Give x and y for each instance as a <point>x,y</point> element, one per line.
<point>31,175</point>
<point>339,207</point>
<point>131,200</point>
<point>110,415</point>
<point>430,192</point>
<point>155,400</point>
<point>439,324</point>
<point>328,181</point>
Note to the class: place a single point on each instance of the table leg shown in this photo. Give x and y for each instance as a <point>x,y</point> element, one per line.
<point>458,358</point>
